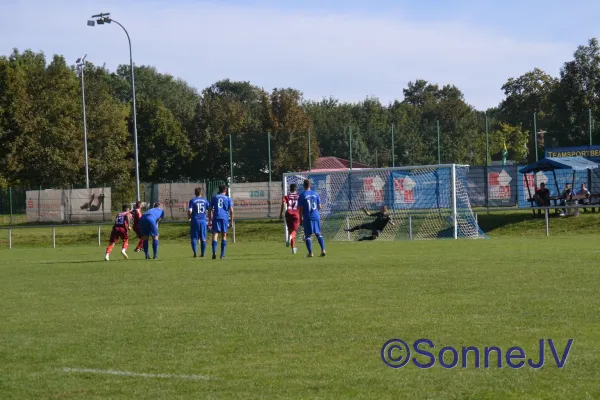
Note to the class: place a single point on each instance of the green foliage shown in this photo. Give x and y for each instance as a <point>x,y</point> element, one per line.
<point>40,120</point>
<point>184,134</point>
<point>163,146</point>
<point>561,104</point>
<point>289,125</point>
<point>110,149</point>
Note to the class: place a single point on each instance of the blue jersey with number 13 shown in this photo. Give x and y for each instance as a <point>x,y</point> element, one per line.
<point>221,204</point>
<point>199,208</point>
<point>310,202</point>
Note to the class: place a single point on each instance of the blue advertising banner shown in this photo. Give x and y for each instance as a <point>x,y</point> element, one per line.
<point>421,191</point>
<point>589,152</point>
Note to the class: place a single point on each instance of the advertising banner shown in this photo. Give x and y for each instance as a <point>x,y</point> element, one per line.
<point>87,205</point>
<point>70,205</point>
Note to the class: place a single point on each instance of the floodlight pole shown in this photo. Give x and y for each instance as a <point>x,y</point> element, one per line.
<point>438,137</point>
<point>393,144</point>
<point>81,64</point>
<point>135,139</point>
<point>487,147</point>
<point>105,17</point>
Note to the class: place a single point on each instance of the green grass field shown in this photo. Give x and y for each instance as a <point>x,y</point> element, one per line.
<point>264,324</point>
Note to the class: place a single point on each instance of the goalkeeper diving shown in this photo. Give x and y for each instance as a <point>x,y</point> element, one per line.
<point>377,226</point>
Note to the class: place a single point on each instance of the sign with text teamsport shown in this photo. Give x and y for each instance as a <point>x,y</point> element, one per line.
<point>589,152</point>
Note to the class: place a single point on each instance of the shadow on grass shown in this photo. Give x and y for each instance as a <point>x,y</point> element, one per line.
<point>494,221</point>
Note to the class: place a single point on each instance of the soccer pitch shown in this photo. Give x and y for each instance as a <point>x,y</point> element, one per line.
<point>264,324</point>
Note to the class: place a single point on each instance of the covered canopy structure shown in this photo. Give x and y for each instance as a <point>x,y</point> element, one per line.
<point>553,163</point>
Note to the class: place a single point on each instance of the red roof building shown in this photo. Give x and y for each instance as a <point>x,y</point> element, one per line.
<point>336,164</point>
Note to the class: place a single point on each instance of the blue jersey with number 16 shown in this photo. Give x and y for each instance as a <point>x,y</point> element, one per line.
<point>221,204</point>
<point>310,202</point>
<point>199,208</point>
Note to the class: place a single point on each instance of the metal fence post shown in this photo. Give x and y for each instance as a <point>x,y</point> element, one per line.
<point>99,235</point>
<point>10,204</point>
<point>53,237</point>
<point>269,190</point>
<point>10,238</point>
<point>348,227</point>
<point>410,235</point>
<point>546,217</point>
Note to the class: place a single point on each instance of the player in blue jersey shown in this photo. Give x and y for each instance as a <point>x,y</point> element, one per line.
<point>149,227</point>
<point>221,210</point>
<point>310,204</point>
<point>197,216</point>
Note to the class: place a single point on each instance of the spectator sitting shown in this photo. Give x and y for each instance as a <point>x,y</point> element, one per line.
<point>542,197</point>
<point>584,192</point>
<point>566,197</point>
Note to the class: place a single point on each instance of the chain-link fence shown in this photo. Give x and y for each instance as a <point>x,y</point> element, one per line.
<point>492,186</point>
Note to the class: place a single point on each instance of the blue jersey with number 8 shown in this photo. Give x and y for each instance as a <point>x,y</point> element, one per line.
<point>221,205</point>
<point>199,208</point>
<point>310,202</point>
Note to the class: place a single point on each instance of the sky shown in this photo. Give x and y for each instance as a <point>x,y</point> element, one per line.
<point>349,50</point>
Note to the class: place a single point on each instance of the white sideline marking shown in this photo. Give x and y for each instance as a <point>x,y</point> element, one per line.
<point>126,373</point>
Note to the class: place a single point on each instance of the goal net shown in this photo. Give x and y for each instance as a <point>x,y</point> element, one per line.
<point>424,202</point>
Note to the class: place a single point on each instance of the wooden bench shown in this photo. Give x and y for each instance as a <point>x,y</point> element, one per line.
<point>570,200</point>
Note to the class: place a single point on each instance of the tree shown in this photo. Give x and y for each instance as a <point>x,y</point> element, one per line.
<point>533,92</point>
<point>578,92</point>
<point>430,104</point>
<point>515,139</point>
<point>163,147</point>
<point>235,108</point>
<point>41,145</point>
<point>330,120</point>
<point>110,146</point>
<point>289,125</point>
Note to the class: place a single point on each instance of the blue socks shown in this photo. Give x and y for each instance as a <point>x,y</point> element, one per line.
<point>146,248</point>
<point>202,247</point>
<point>321,242</point>
<point>309,245</point>
<point>223,246</point>
<point>155,247</point>
<point>194,246</point>
<point>214,246</point>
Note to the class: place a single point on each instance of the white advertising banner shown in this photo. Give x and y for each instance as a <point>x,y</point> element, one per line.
<point>175,198</point>
<point>255,200</point>
<point>72,205</point>
<point>44,205</point>
<point>88,205</point>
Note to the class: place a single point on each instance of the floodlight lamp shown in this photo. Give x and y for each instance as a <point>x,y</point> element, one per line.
<point>107,20</point>
<point>100,21</point>
<point>91,23</point>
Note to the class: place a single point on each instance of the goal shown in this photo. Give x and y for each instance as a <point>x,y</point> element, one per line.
<point>424,202</point>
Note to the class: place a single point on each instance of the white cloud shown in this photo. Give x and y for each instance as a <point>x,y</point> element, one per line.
<point>349,56</point>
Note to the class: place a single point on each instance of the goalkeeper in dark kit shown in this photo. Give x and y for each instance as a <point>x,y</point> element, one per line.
<point>377,226</point>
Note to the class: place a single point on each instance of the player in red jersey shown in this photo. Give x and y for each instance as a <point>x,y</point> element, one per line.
<point>292,216</point>
<point>136,215</point>
<point>120,231</point>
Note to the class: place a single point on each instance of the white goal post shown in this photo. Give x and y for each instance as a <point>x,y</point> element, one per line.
<point>424,202</point>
